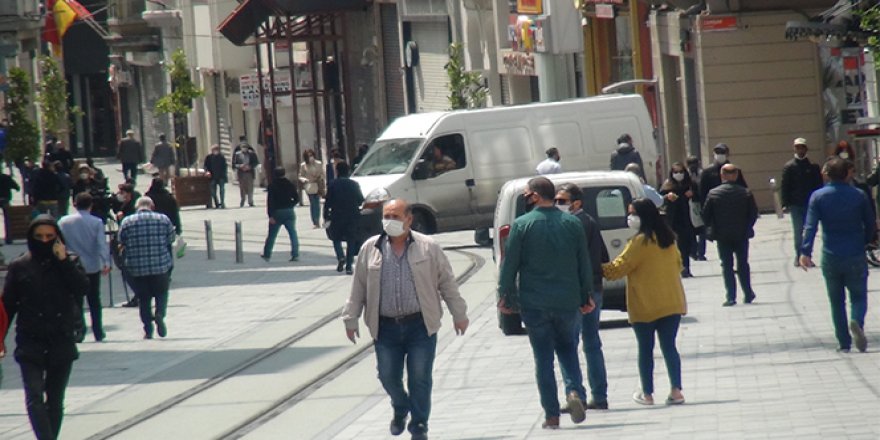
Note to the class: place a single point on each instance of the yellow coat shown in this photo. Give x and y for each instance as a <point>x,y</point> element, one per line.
<point>653,283</point>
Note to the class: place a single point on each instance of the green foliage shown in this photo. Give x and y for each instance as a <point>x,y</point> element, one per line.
<point>466,89</point>
<point>869,22</point>
<point>23,139</point>
<point>179,102</point>
<point>53,97</point>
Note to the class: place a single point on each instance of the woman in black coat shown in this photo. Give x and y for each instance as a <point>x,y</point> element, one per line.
<point>164,202</point>
<point>677,191</point>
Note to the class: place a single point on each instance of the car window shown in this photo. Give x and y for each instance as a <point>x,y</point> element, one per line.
<point>608,205</point>
<point>445,154</point>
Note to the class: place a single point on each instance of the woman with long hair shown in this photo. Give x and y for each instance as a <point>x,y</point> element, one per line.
<point>655,298</point>
<point>677,192</point>
<point>311,176</point>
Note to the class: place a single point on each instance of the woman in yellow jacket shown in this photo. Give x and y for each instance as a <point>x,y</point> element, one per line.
<point>654,295</point>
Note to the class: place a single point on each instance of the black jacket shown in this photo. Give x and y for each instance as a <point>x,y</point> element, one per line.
<point>282,194</point>
<point>216,165</point>
<point>678,213</point>
<point>46,185</point>
<point>730,213</point>
<point>42,294</point>
<point>625,155</point>
<point>711,177</point>
<point>342,208</point>
<point>64,157</point>
<point>598,251</point>
<point>164,203</point>
<point>799,179</point>
<point>7,184</point>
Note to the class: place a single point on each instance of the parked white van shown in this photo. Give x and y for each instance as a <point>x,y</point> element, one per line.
<point>607,195</point>
<point>451,165</point>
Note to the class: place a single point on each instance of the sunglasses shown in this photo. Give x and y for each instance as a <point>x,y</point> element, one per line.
<point>562,202</point>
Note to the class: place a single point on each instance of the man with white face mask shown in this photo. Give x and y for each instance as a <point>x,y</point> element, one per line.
<point>800,178</point>
<point>400,278</point>
<point>711,176</point>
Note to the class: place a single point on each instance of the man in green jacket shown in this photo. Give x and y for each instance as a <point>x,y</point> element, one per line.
<point>548,250</point>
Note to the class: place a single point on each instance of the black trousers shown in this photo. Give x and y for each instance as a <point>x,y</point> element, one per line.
<point>44,388</point>
<point>94,298</point>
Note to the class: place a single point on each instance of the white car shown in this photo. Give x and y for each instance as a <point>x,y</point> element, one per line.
<point>607,195</point>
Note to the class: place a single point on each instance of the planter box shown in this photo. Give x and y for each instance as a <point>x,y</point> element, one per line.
<point>192,190</point>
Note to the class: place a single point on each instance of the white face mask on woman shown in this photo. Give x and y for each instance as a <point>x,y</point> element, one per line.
<point>678,176</point>
<point>394,228</point>
<point>634,222</point>
<point>843,155</point>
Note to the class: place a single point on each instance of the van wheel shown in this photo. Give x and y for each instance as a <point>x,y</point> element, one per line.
<point>422,222</point>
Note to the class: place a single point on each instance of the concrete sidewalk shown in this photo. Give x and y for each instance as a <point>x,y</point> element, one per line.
<point>766,370</point>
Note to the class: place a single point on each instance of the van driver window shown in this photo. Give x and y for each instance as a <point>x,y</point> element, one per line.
<point>445,154</point>
<point>608,206</point>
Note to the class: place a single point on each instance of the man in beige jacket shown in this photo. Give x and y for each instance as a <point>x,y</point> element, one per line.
<point>400,278</point>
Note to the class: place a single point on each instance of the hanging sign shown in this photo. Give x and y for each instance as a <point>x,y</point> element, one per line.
<point>604,11</point>
<point>519,63</point>
<point>249,85</point>
<point>530,7</point>
<point>718,23</point>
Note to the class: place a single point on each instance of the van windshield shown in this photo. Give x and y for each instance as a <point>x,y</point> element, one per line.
<point>390,156</point>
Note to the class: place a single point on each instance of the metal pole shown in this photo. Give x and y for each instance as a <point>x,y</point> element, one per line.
<point>209,238</point>
<point>239,252</point>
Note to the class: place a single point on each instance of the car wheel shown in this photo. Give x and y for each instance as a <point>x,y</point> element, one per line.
<point>422,222</point>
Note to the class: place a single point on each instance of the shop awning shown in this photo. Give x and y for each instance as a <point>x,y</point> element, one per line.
<point>246,19</point>
<point>836,22</point>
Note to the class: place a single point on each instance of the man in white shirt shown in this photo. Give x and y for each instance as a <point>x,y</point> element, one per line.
<point>550,165</point>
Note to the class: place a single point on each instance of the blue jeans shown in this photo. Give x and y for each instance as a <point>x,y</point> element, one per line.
<point>286,218</point>
<point>348,254</point>
<point>726,251</point>
<point>666,329</point>
<point>798,214</point>
<point>315,208</point>
<point>596,375</point>
<point>218,186</point>
<point>408,343</point>
<point>846,273</point>
<point>554,332</point>
<point>146,288</point>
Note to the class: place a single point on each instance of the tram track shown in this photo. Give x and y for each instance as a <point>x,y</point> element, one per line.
<point>289,399</point>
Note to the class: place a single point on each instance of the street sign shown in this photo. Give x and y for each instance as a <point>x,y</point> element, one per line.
<point>249,86</point>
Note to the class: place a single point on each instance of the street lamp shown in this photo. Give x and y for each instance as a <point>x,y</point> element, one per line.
<point>659,133</point>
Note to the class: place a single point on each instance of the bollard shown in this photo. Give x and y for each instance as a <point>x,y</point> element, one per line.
<point>209,238</point>
<point>777,201</point>
<point>239,252</point>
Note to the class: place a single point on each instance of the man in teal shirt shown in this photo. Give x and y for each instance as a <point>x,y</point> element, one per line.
<point>548,250</point>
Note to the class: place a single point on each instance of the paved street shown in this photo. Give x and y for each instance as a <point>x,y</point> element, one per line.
<point>766,370</point>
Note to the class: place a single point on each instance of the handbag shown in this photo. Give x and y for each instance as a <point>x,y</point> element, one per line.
<point>180,247</point>
<point>696,212</point>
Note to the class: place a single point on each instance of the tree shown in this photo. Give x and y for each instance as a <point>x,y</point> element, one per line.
<point>466,89</point>
<point>179,102</point>
<point>53,98</point>
<point>23,138</point>
<point>869,22</point>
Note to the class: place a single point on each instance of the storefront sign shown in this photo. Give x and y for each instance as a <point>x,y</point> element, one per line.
<point>604,11</point>
<point>519,63</point>
<point>531,7</point>
<point>603,2</point>
<point>250,90</point>
<point>718,23</point>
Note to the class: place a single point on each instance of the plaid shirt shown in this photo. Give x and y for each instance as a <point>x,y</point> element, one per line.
<point>146,238</point>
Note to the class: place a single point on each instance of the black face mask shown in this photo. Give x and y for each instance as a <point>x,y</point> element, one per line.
<point>40,250</point>
<point>530,202</point>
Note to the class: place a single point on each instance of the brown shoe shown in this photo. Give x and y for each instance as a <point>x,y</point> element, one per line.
<point>550,423</point>
<point>575,407</point>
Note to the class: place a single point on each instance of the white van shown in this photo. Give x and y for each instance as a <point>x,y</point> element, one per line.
<point>479,150</point>
<point>607,195</point>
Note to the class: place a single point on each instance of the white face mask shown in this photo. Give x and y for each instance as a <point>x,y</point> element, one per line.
<point>394,228</point>
<point>634,222</point>
<point>720,158</point>
<point>84,176</point>
<point>678,176</point>
<point>563,208</point>
<point>120,197</point>
<point>799,157</point>
<point>311,160</point>
<point>843,155</point>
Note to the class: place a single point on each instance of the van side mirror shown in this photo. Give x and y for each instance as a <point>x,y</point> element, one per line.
<point>422,170</point>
